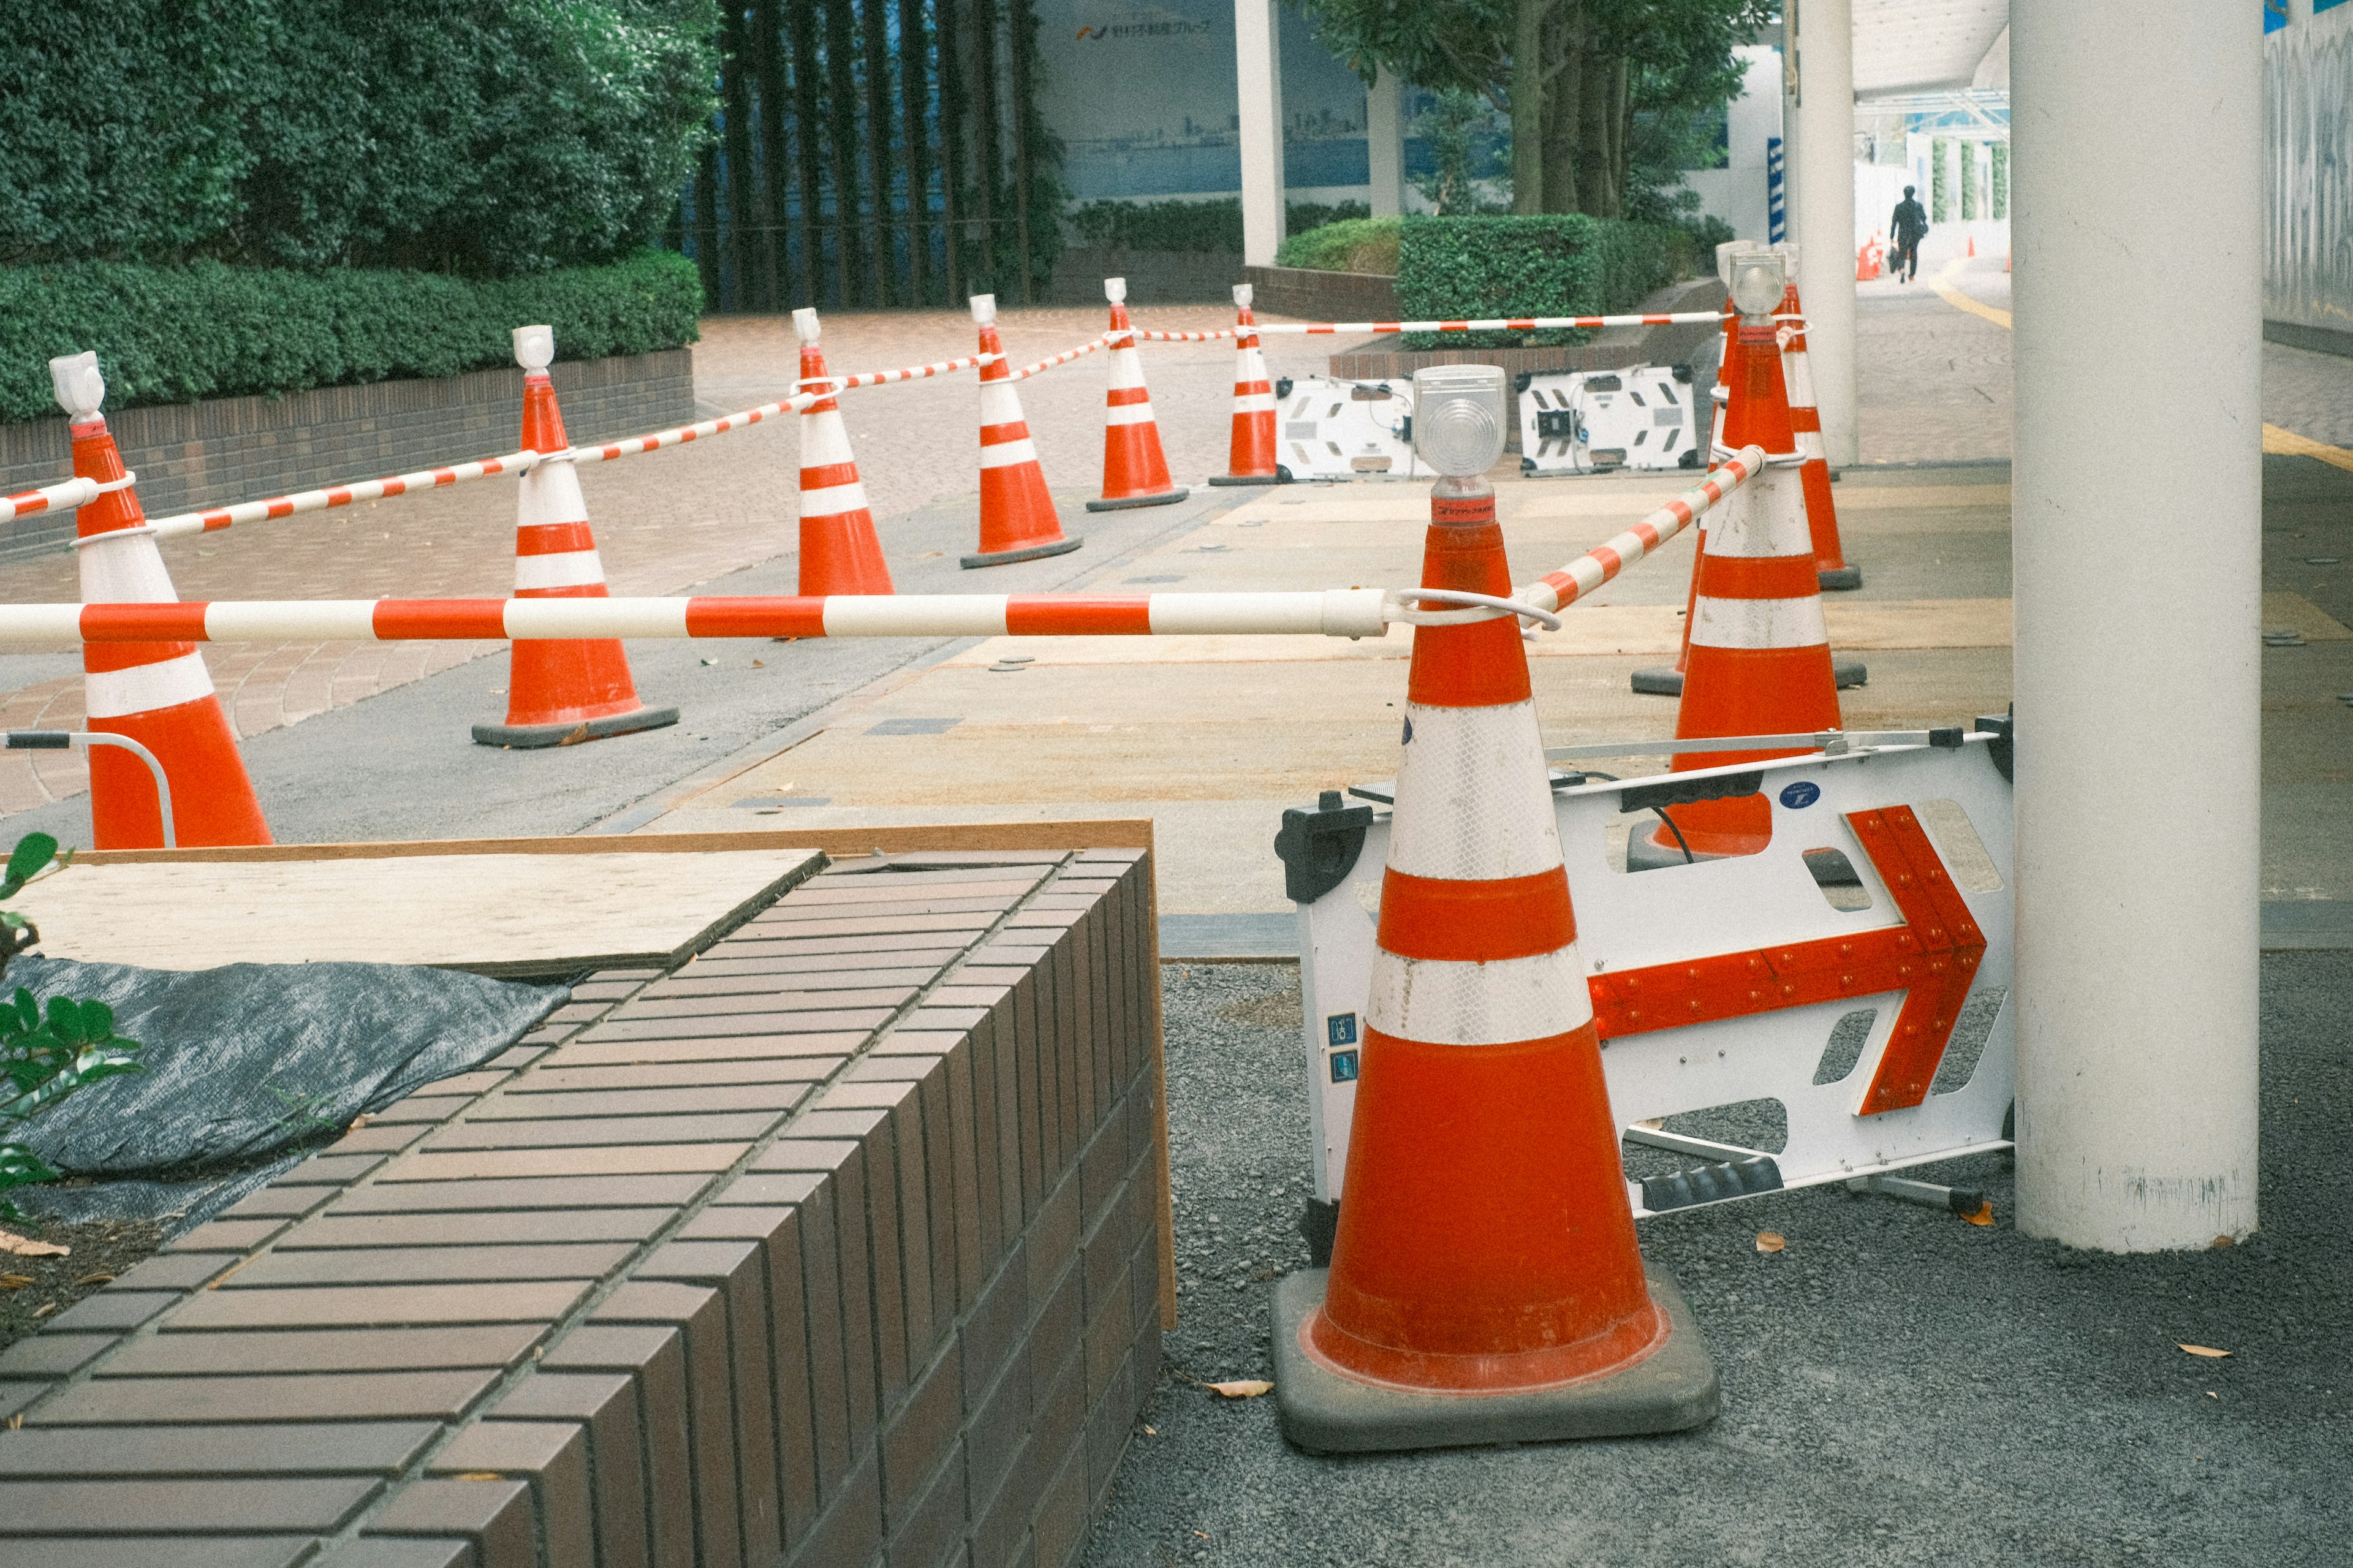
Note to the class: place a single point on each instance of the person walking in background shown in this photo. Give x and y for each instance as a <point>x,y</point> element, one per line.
<point>1910,226</point>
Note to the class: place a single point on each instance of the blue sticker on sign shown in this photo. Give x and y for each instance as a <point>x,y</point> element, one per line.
<point>1344,1067</point>
<point>1340,1030</point>
<point>1801,794</point>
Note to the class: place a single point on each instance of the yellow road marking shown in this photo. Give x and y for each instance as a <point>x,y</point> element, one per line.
<point>2276,439</point>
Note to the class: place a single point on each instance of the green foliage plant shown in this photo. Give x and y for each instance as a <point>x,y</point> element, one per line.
<point>1352,244</point>
<point>2000,153</point>
<point>175,334</point>
<point>46,1054</point>
<point>1940,180</point>
<point>1565,264</point>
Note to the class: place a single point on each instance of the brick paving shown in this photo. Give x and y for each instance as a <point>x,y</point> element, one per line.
<point>896,1283</point>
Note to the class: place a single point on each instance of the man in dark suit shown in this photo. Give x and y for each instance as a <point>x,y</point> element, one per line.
<point>1910,226</point>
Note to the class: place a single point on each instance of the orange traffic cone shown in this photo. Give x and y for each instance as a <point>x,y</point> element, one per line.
<point>559,693</point>
<point>1973,245</point>
<point>1017,522</point>
<point>1251,461</point>
<point>1806,419</point>
<point>1760,657</point>
<point>1485,1286</point>
<point>1667,680</point>
<point>1135,471</point>
<point>840,553</point>
<point>159,694</point>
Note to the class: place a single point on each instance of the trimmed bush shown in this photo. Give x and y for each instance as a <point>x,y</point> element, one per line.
<point>1452,269</point>
<point>1215,227</point>
<point>176,334</point>
<point>1352,244</point>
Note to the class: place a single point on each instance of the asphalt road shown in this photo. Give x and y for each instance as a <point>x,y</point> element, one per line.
<point>1899,1387</point>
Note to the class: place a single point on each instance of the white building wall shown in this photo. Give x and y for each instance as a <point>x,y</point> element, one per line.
<point>1736,192</point>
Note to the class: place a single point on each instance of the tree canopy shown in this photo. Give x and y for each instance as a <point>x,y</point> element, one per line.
<point>476,136</point>
<point>1602,94</point>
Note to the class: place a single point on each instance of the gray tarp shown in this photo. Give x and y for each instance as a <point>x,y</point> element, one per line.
<point>245,1063</point>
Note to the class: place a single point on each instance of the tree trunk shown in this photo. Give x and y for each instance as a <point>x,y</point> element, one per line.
<point>1023,29</point>
<point>914,92</point>
<point>882,222</point>
<point>1528,95</point>
<point>987,159</point>
<point>1621,126</point>
<point>841,89</point>
<point>804,142</point>
<point>735,106</point>
<point>768,70</point>
<point>1565,41</point>
<point>1594,164</point>
<point>953,110</point>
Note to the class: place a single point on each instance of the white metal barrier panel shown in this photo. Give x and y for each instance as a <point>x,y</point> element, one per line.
<point>1346,429</point>
<point>1851,982</point>
<point>1585,422</point>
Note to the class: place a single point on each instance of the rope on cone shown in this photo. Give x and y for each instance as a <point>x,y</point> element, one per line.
<point>885,377</point>
<point>1025,372</point>
<point>1604,561</point>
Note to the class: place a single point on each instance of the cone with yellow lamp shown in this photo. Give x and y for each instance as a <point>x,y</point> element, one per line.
<point>1485,1285</point>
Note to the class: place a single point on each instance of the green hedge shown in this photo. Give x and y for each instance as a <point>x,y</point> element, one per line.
<point>1214,226</point>
<point>1569,265</point>
<point>175,334</point>
<point>1352,244</point>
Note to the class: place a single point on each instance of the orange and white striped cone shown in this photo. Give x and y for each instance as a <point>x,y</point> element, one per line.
<point>1667,680</point>
<point>1135,471</point>
<point>1806,419</point>
<point>1760,655</point>
<point>1018,520</point>
<point>1252,460</point>
<point>559,692</point>
<point>840,553</point>
<point>1485,1286</point>
<point>158,694</point>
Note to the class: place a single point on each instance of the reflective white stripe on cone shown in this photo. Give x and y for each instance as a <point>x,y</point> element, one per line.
<point>159,694</point>
<point>559,693</point>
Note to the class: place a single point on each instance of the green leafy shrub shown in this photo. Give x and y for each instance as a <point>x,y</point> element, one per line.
<point>44,1054</point>
<point>483,137</point>
<point>1214,226</point>
<point>174,334</point>
<point>1566,265</point>
<point>1352,244</point>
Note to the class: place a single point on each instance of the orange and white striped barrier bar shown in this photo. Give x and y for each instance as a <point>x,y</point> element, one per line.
<point>1025,372</point>
<point>63,496</point>
<point>1500,324</point>
<point>1339,612</point>
<point>886,377</point>
<point>1603,561</point>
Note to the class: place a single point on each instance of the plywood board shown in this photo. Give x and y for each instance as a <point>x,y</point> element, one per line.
<point>504,914</point>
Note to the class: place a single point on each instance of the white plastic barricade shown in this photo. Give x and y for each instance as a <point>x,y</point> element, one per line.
<point>1596,421</point>
<point>1849,982</point>
<point>1346,429</point>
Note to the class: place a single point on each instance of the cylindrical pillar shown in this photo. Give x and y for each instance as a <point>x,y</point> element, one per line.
<point>1822,211</point>
<point>2138,690</point>
<point>1258,76</point>
<point>1385,144</point>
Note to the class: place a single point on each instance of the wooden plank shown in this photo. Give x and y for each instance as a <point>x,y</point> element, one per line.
<point>502,914</point>
<point>840,843</point>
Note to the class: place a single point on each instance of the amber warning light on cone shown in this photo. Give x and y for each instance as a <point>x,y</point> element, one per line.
<point>1458,417</point>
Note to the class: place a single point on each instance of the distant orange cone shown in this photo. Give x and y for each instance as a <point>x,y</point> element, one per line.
<point>159,694</point>
<point>1806,418</point>
<point>1667,680</point>
<point>1973,245</point>
<point>1760,657</point>
<point>1485,1283</point>
<point>1252,460</point>
<point>840,553</point>
<point>1135,471</point>
<point>559,692</point>
<point>1017,522</point>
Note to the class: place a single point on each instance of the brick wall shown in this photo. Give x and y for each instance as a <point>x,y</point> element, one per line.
<point>198,455</point>
<point>837,1247</point>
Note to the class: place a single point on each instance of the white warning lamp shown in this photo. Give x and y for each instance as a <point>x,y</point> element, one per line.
<point>1458,417</point>
<point>1758,282</point>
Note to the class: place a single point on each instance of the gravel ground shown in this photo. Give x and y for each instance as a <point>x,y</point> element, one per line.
<point>1899,1387</point>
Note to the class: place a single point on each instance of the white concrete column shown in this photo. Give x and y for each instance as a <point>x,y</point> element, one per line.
<point>1258,73</point>
<point>1822,211</point>
<point>1384,141</point>
<point>2137,293</point>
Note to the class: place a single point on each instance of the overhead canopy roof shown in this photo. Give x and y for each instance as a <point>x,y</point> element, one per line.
<point>1913,45</point>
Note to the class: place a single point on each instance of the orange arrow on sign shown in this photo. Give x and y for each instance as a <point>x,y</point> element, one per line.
<point>1932,957</point>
